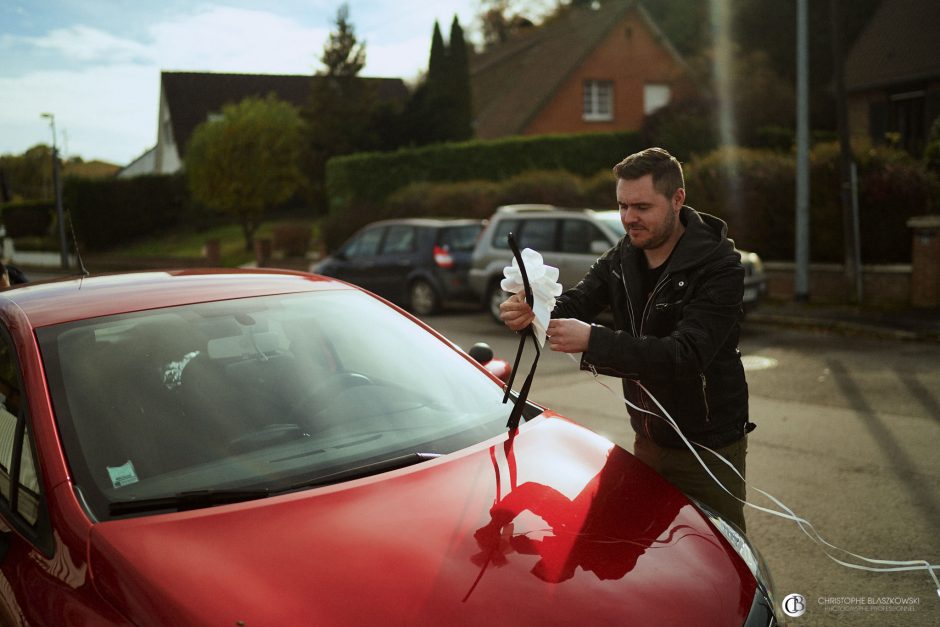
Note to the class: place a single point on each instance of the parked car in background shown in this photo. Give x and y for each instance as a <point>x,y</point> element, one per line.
<point>275,448</point>
<point>419,263</point>
<point>569,239</point>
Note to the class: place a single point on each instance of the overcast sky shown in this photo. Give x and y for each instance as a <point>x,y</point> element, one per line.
<point>95,64</point>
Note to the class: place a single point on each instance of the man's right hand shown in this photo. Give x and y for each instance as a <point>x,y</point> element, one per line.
<point>516,313</point>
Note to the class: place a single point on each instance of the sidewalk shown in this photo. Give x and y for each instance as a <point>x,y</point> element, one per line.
<point>898,324</point>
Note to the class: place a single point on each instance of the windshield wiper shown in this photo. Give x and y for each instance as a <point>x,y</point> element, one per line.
<point>366,470</point>
<point>184,501</point>
<point>197,499</point>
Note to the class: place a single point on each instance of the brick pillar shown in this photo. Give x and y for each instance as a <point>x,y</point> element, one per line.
<point>262,251</point>
<point>925,261</point>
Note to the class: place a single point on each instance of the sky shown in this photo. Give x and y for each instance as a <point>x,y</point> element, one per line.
<point>95,64</point>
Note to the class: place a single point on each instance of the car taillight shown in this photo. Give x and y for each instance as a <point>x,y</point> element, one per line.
<point>443,258</point>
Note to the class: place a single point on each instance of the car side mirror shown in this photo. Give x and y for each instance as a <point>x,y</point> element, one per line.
<point>339,255</point>
<point>599,247</point>
<point>481,352</point>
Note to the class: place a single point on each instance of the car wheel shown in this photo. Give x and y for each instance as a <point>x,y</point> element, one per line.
<point>494,298</point>
<point>423,298</point>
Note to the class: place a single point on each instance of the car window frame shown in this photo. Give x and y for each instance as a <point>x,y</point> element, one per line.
<point>390,230</point>
<point>380,243</point>
<point>596,234</point>
<point>38,533</point>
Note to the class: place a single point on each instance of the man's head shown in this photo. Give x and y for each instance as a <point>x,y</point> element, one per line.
<point>650,193</point>
<point>662,166</point>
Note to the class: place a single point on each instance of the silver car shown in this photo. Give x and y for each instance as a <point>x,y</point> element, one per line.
<point>569,239</point>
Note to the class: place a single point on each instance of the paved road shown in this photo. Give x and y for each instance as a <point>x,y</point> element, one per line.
<point>848,436</point>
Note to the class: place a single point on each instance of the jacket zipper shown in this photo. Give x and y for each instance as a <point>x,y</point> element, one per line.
<point>708,416</point>
<point>647,310</point>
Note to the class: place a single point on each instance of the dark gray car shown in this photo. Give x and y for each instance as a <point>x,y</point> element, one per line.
<point>419,263</point>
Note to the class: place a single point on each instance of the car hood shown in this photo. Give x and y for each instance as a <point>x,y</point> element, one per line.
<point>555,525</point>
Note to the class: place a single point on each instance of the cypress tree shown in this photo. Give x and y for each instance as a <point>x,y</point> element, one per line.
<point>462,113</point>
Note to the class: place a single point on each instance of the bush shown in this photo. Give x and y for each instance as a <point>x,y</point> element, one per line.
<point>754,191</point>
<point>28,219</point>
<point>112,212</point>
<point>291,239</point>
<point>354,181</point>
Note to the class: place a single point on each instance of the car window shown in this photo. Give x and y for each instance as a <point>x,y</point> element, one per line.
<point>399,238</point>
<point>577,235</point>
<point>538,235</point>
<point>502,231</point>
<point>460,238</point>
<point>16,456</point>
<point>256,392</point>
<point>365,245</point>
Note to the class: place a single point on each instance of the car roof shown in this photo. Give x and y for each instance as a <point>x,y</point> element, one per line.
<point>536,210</point>
<point>432,222</point>
<point>68,299</point>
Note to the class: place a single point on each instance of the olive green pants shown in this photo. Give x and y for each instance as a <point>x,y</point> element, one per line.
<point>681,469</point>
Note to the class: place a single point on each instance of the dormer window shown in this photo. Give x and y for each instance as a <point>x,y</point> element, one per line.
<point>598,101</point>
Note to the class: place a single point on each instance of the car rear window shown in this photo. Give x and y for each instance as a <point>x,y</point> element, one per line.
<point>460,238</point>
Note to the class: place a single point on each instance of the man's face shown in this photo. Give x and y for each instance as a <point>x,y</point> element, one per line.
<point>649,218</point>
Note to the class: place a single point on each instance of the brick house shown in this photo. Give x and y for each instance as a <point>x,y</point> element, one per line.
<point>892,74</point>
<point>189,98</point>
<point>598,68</point>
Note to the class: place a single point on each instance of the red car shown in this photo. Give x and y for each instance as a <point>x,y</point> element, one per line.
<point>270,448</point>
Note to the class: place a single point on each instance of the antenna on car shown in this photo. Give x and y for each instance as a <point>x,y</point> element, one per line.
<point>78,254</point>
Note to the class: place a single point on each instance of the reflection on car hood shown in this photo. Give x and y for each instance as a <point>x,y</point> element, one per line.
<point>553,526</point>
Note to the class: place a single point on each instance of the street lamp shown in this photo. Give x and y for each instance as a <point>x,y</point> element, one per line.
<point>63,248</point>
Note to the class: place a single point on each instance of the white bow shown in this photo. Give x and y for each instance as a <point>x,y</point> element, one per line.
<point>545,287</point>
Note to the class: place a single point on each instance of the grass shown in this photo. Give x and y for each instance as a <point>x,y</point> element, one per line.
<point>191,243</point>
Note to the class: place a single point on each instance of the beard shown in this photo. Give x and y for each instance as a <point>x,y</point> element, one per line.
<point>657,235</point>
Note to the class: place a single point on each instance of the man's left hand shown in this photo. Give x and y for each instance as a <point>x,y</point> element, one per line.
<point>568,335</point>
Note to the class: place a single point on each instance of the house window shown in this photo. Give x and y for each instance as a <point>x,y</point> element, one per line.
<point>655,96</point>
<point>598,101</point>
<point>908,120</point>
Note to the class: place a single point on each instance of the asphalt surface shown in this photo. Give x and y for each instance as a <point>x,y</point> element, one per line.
<point>848,415</point>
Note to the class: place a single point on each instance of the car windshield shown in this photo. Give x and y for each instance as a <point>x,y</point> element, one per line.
<point>256,393</point>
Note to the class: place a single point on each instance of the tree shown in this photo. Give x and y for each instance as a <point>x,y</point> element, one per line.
<point>343,54</point>
<point>440,108</point>
<point>462,116</point>
<point>343,114</point>
<point>246,161</point>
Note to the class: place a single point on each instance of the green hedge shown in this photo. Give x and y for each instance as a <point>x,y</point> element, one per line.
<point>366,180</point>
<point>28,218</point>
<point>754,191</point>
<point>110,212</point>
<point>477,199</point>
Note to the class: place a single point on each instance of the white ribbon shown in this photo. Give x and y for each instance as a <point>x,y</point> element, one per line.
<point>543,280</point>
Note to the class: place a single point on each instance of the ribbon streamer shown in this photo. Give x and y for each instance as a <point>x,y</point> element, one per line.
<point>805,526</point>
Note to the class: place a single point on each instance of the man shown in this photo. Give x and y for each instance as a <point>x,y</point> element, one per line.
<point>674,284</point>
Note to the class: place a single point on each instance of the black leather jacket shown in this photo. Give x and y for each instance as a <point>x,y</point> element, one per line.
<point>681,343</point>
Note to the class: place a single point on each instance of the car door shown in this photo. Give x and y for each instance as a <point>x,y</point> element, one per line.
<point>356,260</point>
<point>581,243</point>
<point>395,261</point>
<point>37,572</point>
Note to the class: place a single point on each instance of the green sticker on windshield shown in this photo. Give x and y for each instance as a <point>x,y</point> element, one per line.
<point>123,475</point>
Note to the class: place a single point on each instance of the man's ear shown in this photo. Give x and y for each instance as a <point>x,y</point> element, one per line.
<point>678,199</point>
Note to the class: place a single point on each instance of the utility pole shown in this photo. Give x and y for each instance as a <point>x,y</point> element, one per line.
<point>851,246</point>
<point>801,276</point>
<point>63,247</point>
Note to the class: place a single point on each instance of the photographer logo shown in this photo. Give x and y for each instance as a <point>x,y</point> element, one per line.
<point>794,605</point>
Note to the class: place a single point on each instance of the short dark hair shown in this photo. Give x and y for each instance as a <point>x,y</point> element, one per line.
<point>666,170</point>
